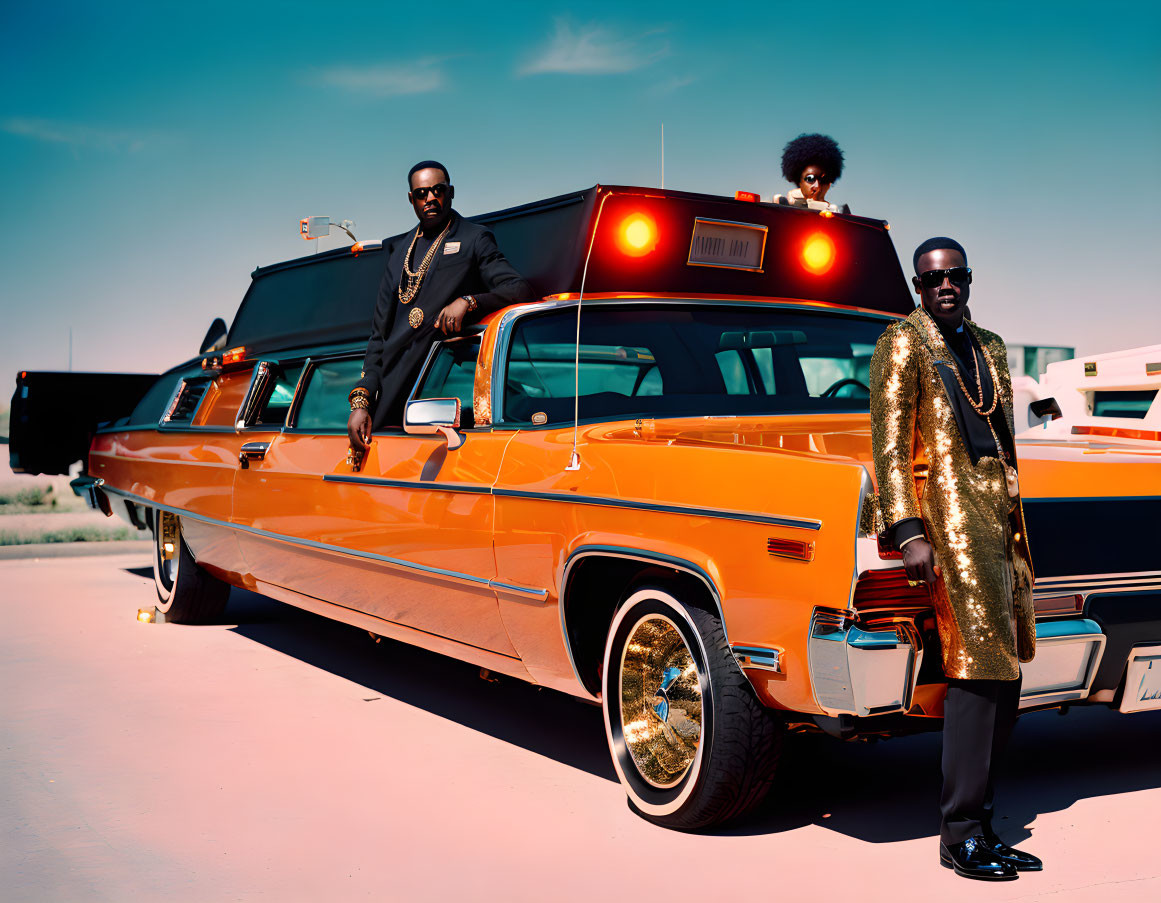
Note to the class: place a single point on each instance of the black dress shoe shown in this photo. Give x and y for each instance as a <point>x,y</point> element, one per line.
<point>1024,862</point>
<point>973,859</point>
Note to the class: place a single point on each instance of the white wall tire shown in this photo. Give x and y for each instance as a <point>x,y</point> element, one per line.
<point>186,594</point>
<point>690,742</point>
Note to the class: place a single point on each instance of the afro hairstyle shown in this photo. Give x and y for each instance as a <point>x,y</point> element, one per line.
<point>939,243</point>
<point>805,150</point>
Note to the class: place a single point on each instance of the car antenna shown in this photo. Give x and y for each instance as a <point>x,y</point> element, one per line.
<point>574,458</point>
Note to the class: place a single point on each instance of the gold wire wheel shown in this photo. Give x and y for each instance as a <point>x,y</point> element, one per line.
<point>660,701</point>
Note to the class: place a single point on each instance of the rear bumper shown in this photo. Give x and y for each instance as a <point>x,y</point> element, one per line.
<point>855,671</point>
<point>862,672</point>
<point>1068,654</point>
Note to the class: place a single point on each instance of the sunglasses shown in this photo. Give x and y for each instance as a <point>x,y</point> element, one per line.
<point>439,189</point>
<point>810,179</point>
<point>955,275</point>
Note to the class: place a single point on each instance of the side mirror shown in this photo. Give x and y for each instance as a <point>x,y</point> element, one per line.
<point>428,416</point>
<point>1046,407</point>
<point>215,339</point>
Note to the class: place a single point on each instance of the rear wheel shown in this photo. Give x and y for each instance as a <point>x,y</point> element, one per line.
<point>186,594</point>
<point>691,744</point>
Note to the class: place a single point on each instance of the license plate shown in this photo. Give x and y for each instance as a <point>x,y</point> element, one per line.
<point>1143,680</point>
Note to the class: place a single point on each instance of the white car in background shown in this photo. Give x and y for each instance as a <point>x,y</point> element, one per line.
<point>1106,398</point>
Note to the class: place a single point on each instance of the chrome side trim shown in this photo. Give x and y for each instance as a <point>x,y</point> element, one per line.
<point>428,570</point>
<point>1086,585</point>
<point>296,398</point>
<point>260,378</point>
<point>678,564</point>
<point>761,658</point>
<point>856,671</point>
<point>801,523</point>
<point>1067,656</point>
<point>1085,581</point>
<point>430,485</point>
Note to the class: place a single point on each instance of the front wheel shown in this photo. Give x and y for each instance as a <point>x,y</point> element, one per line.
<point>186,594</point>
<point>691,744</point>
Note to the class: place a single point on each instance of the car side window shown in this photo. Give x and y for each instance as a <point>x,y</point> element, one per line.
<point>324,406</point>
<point>452,372</point>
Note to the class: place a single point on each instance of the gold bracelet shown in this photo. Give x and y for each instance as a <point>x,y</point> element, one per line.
<point>360,399</point>
<point>472,303</point>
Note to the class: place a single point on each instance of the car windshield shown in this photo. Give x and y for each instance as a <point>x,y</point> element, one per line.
<point>673,360</point>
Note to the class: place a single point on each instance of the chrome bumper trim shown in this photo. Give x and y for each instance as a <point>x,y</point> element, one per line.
<point>855,671</point>
<point>1067,655</point>
<point>762,658</point>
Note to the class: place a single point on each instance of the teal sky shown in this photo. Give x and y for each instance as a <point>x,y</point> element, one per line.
<point>152,154</point>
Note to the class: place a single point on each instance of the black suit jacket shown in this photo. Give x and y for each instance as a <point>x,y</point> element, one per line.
<point>468,263</point>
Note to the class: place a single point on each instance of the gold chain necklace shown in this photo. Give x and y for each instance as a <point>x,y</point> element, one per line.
<point>977,406</point>
<point>411,282</point>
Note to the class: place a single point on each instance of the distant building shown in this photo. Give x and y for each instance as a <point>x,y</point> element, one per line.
<point>1032,360</point>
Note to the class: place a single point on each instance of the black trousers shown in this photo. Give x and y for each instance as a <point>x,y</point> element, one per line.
<point>978,718</point>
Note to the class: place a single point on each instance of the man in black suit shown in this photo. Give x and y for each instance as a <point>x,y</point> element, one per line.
<point>439,276</point>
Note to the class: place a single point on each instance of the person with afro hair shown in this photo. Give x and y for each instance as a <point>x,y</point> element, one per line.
<point>812,163</point>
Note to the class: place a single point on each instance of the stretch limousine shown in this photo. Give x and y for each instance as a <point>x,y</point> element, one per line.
<point>670,517</point>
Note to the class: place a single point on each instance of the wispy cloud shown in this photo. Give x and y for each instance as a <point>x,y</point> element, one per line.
<point>419,77</point>
<point>76,135</point>
<point>595,50</point>
<point>674,83</point>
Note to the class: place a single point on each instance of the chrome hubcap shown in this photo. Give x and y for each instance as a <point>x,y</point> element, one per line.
<point>660,701</point>
<point>166,548</point>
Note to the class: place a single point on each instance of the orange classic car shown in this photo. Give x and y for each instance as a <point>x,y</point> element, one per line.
<point>651,489</point>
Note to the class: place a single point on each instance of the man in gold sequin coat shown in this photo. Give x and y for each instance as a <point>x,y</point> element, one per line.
<point>945,459</point>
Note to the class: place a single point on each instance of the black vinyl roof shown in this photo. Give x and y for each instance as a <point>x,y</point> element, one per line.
<point>330,296</point>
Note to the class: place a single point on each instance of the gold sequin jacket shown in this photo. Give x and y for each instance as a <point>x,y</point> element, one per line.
<point>983,598</point>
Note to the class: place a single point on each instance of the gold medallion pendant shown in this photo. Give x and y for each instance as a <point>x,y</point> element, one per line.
<point>415,318</point>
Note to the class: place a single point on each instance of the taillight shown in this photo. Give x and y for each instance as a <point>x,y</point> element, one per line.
<point>889,589</point>
<point>1058,605</point>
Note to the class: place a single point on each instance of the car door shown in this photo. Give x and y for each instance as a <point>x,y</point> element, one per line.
<point>408,535</point>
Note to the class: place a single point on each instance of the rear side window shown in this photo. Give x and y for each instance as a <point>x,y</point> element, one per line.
<point>185,402</point>
<point>1134,404</point>
<point>324,406</point>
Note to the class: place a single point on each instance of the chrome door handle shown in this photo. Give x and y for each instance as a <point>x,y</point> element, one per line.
<point>252,451</point>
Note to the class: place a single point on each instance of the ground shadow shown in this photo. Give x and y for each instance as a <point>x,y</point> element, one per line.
<point>542,721</point>
<point>879,792</point>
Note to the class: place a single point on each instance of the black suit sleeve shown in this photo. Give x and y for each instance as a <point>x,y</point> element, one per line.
<point>504,285</point>
<point>907,529</point>
<point>381,325</point>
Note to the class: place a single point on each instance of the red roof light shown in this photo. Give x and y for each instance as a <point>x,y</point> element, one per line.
<point>637,235</point>
<point>818,253</point>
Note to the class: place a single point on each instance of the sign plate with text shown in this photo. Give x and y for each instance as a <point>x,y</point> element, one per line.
<point>734,246</point>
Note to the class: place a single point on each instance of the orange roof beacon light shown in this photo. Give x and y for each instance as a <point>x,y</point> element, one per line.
<point>751,196</point>
<point>818,254</point>
<point>234,355</point>
<point>637,235</point>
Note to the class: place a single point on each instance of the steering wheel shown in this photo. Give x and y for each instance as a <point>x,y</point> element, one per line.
<point>832,390</point>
